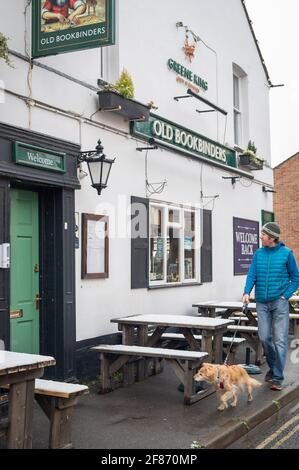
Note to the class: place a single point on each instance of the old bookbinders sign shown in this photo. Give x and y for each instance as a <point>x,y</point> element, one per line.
<point>246,242</point>
<point>70,25</point>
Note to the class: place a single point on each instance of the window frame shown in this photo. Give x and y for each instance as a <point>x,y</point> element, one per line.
<point>181,226</point>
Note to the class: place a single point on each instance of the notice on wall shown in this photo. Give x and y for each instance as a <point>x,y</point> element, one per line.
<point>95,247</point>
<point>246,242</point>
<point>70,25</point>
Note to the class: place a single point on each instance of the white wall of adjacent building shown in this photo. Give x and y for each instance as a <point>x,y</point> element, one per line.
<point>147,37</point>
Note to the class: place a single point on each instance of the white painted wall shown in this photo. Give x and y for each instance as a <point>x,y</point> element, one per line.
<point>147,38</point>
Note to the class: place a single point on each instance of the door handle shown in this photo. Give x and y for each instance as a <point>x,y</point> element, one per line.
<point>37,301</point>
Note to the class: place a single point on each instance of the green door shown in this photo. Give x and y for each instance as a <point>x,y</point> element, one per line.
<point>24,276</point>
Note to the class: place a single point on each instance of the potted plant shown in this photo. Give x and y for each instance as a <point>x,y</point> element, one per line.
<point>249,159</point>
<point>4,49</point>
<point>119,98</point>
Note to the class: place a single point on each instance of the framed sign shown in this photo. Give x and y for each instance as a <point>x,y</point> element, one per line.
<point>69,25</point>
<point>246,242</point>
<point>267,216</point>
<point>37,157</point>
<point>95,246</point>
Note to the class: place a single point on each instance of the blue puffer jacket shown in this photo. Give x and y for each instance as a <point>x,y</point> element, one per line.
<point>274,273</point>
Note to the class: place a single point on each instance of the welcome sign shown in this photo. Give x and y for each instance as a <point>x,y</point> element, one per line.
<point>246,242</point>
<point>29,155</point>
<point>69,25</point>
<point>184,140</point>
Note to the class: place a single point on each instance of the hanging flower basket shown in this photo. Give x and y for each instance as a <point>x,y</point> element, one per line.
<point>130,109</point>
<point>251,162</point>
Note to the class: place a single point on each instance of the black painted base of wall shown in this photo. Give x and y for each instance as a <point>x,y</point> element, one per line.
<point>87,362</point>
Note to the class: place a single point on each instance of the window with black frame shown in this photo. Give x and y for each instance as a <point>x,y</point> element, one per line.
<point>173,258</point>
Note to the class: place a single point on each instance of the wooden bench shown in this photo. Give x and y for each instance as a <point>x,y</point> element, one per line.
<point>294,321</point>
<point>57,400</point>
<point>184,364</point>
<point>293,316</point>
<point>250,334</point>
<point>227,342</point>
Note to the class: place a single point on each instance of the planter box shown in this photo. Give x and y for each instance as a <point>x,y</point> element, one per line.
<point>251,163</point>
<point>130,109</point>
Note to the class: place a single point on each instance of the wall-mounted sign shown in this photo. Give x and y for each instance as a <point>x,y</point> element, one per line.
<point>29,155</point>
<point>184,140</point>
<point>69,25</point>
<point>187,77</point>
<point>189,49</point>
<point>246,242</point>
<point>95,246</point>
<point>267,216</point>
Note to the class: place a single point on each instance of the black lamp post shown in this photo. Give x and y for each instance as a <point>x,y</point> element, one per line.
<point>98,165</point>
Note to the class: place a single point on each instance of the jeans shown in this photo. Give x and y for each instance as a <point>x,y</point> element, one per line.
<point>273,330</point>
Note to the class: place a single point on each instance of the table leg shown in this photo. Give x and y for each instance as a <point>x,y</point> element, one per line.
<point>21,396</point>
<point>207,344</point>
<point>296,328</point>
<point>128,339</point>
<point>143,363</point>
<point>212,312</point>
<point>207,311</point>
<point>218,346</point>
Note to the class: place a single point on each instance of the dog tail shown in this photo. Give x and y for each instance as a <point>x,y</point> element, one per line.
<point>254,383</point>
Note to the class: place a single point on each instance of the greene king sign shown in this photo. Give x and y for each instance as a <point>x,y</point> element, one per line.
<point>69,25</point>
<point>184,140</point>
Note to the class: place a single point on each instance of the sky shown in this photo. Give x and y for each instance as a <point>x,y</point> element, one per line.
<point>275,23</point>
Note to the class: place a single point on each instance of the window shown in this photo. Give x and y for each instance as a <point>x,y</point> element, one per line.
<point>237,112</point>
<point>240,107</point>
<point>173,254</point>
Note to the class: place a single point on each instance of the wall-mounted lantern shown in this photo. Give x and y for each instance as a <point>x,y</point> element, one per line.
<point>98,165</point>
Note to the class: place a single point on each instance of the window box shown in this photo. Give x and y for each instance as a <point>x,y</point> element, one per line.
<point>128,108</point>
<point>251,162</point>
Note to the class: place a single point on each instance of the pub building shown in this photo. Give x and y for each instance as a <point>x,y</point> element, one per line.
<point>166,209</point>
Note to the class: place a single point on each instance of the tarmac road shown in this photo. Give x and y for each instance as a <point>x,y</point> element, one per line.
<point>283,435</point>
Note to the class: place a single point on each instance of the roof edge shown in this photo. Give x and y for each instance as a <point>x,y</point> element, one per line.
<point>286,160</point>
<point>257,43</point>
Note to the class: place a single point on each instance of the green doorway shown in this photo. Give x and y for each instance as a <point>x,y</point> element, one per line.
<point>24,272</point>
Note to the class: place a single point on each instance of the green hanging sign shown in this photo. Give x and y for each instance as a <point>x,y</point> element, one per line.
<point>184,140</point>
<point>29,155</point>
<point>267,216</point>
<point>69,25</point>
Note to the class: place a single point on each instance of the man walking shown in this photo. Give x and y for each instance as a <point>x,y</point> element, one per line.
<point>275,275</point>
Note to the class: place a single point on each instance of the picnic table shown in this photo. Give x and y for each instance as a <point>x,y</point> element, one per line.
<point>19,371</point>
<point>208,308</point>
<point>212,331</point>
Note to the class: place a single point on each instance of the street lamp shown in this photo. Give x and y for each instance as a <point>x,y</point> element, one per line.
<point>98,165</point>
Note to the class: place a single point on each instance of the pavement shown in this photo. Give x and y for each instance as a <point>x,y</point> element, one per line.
<point>151,415</point>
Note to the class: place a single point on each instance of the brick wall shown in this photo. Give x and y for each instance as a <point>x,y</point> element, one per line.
<point>286,202</point>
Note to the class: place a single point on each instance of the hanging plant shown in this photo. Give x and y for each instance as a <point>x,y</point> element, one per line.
<point>119,97</point>
<point>124,85</point>
<point>4,53</point>
<point>249,158</point>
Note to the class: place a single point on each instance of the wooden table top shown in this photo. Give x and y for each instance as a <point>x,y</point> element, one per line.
<point>223,304</point>
<point>183,321</point>
<point>12,362</point>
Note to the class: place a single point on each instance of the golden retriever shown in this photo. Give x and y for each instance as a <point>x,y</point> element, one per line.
<point>227,381</point>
